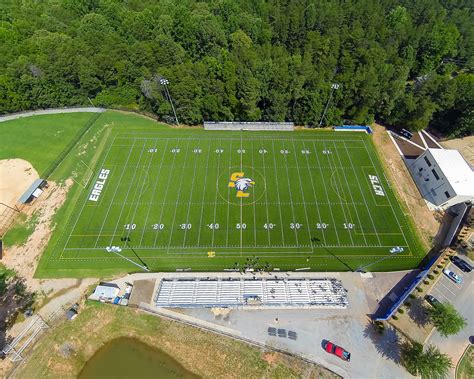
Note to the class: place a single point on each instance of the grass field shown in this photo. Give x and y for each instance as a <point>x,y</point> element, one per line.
<point>39,139</point>
<point>317,200</point>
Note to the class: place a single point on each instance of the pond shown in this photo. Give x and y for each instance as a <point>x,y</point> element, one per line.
<point>130,358</point>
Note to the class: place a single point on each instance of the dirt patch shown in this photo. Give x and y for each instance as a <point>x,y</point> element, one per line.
<point>16,175</point>
<point>464,145</point>
<point>398,174</point>
<point>24,259</point>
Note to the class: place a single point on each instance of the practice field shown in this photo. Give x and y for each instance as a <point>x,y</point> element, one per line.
<point>185,199</point>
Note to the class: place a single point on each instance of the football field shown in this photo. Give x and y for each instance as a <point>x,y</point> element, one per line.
<point>206,201</point>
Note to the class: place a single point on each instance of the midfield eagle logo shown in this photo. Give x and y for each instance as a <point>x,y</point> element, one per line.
<point>240,183</point>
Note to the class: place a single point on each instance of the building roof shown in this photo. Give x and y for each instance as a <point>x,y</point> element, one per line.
<point>456,170</point>
<point>105,291</point>
<point>29,192</point>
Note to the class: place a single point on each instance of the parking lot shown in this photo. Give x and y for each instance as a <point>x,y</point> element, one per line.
<point>446,290</point>
<point>460,296</point>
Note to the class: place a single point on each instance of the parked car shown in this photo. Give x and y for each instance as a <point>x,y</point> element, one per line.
<point>407,134</point>
<point>451,275</point>
<point>434,302</point>
<point>336,350</point>
<point>461,263</point>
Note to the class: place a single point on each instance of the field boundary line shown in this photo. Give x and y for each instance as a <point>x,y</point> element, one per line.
<point>154,191</point>
<point>350,193</point>
<point>278,191</point>
<point>336,173</point>
<point>117,223</point>
<point>204,193</point>
<point>140,194</point>
<point>327,195</point>
<point>314,194</point>
<point>166,195</point>
<point>177,197</point>
<point>191,194</point>
<point>308,225</point>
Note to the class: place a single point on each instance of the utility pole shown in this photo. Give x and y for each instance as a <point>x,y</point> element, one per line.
<point>334,86</point>
<point>164,82</point>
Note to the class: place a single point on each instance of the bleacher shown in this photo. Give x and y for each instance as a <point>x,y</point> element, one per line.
<point>249,126</point>
<point>249,293</point>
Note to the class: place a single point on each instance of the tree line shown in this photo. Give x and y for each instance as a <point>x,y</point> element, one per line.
<point>401,62</point>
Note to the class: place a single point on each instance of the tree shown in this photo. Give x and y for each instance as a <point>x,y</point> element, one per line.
<point>428,363</point>
<point>446,319</point>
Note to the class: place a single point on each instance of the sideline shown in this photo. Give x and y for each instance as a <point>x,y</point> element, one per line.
<point>15,116</point>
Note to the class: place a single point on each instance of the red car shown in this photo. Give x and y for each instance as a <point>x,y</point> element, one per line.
<point>336,350</point>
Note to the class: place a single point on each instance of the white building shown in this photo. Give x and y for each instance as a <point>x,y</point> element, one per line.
<point>443,177</point>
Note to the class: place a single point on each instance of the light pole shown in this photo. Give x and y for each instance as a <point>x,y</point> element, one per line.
<point>334,86</point>
<point>116,250</point>
<point>393,251</point>
<point>164,82</point>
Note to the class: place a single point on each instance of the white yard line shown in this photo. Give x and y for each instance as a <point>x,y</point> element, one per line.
<point>228,203</point>
<point>131,184</point>
<point>191,195</point>
<point>266,197</point>
<point>177,197</point>
<point>326,192</point>
<point>335,172</point>
<point>158,176</point>
<point>115,193</point>
<point>253,206</point>
<point>204,192</point>
<point>308,225</point>
<point>314,195</point>
<point>278,192</point>
<point>350,193</point>
<point>176,146</point>
<point>362,193</point>
<point>140,194</point>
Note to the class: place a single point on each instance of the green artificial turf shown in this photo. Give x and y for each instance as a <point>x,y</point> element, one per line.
<point>166,202</point>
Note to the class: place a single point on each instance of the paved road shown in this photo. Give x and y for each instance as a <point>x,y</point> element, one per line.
<point>15,116</point>
<point>461,296</point>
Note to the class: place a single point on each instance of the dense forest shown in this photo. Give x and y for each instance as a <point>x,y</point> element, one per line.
<point>401,62</point>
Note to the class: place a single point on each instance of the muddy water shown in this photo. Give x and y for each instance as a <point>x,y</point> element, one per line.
<point>130,358</point>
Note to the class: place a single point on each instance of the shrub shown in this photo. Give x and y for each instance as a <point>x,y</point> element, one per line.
<point>401,311</point>
<point>419,289</point>
<point>426,282</point>
<point>430,276</point>
<point>411,296</point>
<point>439,266</point>
<point>395,317</point>
<point>407,303</point>
<point>436,272</point>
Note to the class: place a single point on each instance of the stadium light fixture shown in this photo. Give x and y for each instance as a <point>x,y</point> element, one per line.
<point>164,82</point>
<point>334,87</point>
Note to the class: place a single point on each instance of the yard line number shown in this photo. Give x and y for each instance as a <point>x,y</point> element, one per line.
<point>130,226</point>
<point>158,226</point>
<point>349,225</point>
